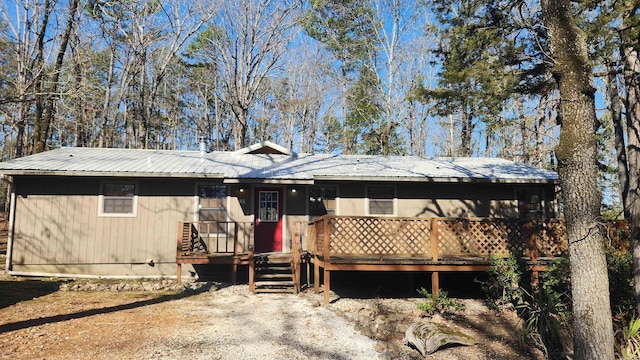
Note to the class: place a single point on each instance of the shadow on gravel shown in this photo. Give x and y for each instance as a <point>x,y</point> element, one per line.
<point>13,292</point>
<point>81,314</point>
<point>372,284</point>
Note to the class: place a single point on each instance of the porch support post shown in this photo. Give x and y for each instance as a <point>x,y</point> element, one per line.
<point>179,274</point>
<point>252,265</point>
<point>532,228</point>
<point>234,271</point>
<point>435,276</point>
<point>435,283</point>
<point>316,275</point>
<point>327,285</point>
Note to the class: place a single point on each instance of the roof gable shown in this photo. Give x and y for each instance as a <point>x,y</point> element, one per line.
<point>264,147</point>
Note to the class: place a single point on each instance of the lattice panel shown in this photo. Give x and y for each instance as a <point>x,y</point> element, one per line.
<point>552,240</point>
<point>479,238</point>
<point>315,235</point>
<point>359,236</point>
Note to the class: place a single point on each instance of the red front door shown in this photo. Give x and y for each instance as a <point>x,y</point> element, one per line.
<point>268,231</point>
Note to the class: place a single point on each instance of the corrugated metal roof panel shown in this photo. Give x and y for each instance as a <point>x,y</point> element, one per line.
<point>230,165</point>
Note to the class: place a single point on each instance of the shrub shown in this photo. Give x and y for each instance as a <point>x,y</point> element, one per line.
<point>503,288</point>
<point>544,309</point>
<point>440,303</point>
<point>545,313</point>
<point>630,347</point>
<point>620,266</point>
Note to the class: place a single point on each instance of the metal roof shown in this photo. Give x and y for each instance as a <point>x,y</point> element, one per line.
<point>293,168</point>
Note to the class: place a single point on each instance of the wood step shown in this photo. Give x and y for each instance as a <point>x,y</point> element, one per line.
<point>273,268</point>
<point>279,291</point>
<point>274,283</point>
<point>274,276</point>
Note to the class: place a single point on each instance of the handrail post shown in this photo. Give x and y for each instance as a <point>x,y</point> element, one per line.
<point>179,252</point>
<point>327,259</point>
<point>295,247</point>
<point>252,265</point>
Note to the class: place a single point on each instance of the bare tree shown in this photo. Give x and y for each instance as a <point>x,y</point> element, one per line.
<point>151,34</point>
<point>247,41</point>
<point>25,32</point>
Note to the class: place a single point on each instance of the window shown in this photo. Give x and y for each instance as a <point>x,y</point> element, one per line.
<point>381,200</point>
<point>118,199</point>
<point>212,201</point>
<point>322,200</point>
<point>268,205</point>
<point>530,203</point>
<point>212,206</point>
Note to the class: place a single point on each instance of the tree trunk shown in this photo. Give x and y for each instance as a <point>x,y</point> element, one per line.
<point>632,104</point>
<point>103,141</point>
<point>577,155</point>
<point>43,134</point>
<point>618,128</point>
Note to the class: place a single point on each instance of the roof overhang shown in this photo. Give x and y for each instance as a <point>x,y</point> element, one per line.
<point>436,180</point>
<point>268,181</point>
<point>110,174</point>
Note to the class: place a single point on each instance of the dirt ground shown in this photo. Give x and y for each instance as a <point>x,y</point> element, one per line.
<point>40,321</point>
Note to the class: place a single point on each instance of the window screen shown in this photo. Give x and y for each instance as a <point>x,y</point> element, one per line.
<point>118,198</point>
<point>380,200</point>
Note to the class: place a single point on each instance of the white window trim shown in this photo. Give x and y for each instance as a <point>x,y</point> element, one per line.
<point>394,201</point>
<point>101,197</point>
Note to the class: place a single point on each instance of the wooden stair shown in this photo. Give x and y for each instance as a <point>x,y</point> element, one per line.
<point>273,273</point>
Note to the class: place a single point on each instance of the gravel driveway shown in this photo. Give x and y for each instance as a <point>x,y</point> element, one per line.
<point>234,324</point>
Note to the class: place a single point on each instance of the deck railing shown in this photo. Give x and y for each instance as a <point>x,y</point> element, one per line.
<point>440,238</point>
<point>214,237</point>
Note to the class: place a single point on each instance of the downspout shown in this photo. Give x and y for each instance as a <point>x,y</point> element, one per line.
<point>12,219</point>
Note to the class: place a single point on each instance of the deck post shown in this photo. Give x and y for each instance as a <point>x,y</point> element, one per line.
<point>435,276</point>
<point>327,285</point>
<point>433,238</point>
<point>179,250</point>
<point>234,272</point>
<point>532,231</point>
<point>252,266</point>
<point>435,283</point>
<point>316,274</point>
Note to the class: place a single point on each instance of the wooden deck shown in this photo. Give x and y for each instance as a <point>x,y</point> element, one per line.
<point>358,243</point>
<point>348,243</point>
<point>231,243</point>
<point>214,242</point>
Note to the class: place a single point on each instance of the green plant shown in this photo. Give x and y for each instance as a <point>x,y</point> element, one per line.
<point>440,303</point>
<point>630,347</point>
<point>620,266</point>
<point>503,287</point>
<point>545,312</point>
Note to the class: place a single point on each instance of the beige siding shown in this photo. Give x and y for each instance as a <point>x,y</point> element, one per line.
<point>296,212</point>
<point>351,199</point>
<point>58,229</point>
<point>57,223</point>
<point>443,200</point>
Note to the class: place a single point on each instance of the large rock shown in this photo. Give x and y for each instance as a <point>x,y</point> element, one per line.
<point>428,337</point>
